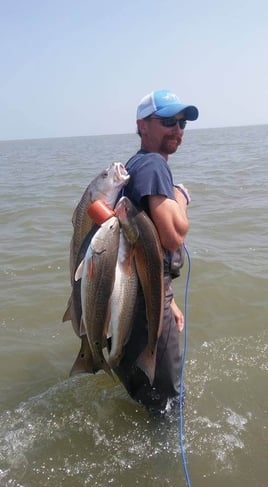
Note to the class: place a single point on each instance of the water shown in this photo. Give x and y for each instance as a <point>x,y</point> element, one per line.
<point>86,431</point>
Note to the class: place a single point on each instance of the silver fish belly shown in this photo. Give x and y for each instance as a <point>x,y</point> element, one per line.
<point>122,300</point>
<point>105,186</point>
<point>97,273</point>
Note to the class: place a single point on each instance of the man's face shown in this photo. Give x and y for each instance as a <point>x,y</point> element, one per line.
<point>163,135</point>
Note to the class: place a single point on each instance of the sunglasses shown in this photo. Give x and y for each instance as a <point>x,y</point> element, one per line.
<point>171,122</point>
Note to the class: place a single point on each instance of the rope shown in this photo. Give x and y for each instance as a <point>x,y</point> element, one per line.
<point>181,435</point>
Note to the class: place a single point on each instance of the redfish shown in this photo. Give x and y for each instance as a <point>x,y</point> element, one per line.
<point>97,273</point>
<point>105,186</point>
<point>148,255</point>
<point>122,300</point>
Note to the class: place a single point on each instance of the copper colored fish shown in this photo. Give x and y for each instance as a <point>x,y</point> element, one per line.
<point>97,273</point>
<point>148,254</point>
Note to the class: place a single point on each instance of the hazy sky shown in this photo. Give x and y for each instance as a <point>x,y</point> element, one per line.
<point>80,67</point>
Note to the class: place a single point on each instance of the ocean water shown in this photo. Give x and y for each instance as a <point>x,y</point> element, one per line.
<point>86,431</point>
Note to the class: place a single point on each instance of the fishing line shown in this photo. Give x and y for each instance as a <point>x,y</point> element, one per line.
<point>181,436</point>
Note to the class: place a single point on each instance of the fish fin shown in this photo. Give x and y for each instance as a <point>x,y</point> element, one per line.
<point>79,271</point>
<point>84,361</point>
<point>115,359</point>
<point>104,342</point>
<point>67,315</point>
<point>82,330</point>
<point>109,371</point>
<point>147,362</point>
<point>100,360</point>
<point>106,367</point>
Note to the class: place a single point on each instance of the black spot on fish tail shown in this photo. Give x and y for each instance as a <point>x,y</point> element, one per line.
<point>83,363</point>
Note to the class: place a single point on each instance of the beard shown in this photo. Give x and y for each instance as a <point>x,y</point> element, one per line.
<point>170,144</point>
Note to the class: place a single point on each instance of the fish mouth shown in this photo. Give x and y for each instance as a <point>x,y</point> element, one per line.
<point>121,175</point>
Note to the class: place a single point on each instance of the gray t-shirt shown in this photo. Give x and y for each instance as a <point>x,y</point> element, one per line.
<point>150,175</point>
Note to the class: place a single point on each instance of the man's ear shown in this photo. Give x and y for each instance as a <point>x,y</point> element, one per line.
<point>141,126</point>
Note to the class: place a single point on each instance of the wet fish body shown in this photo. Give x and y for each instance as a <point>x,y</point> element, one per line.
<point>122,300</point>
<point>149,264</point>
<point>74,309</point>
<point>105,186</point>
<point>97,273</point>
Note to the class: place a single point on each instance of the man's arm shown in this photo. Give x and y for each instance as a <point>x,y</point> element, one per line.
<point>170,219</point>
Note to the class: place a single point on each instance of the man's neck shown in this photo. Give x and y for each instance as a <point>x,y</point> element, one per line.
<point>147,150</point>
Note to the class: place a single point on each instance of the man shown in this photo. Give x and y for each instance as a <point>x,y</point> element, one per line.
<point>161,119</point>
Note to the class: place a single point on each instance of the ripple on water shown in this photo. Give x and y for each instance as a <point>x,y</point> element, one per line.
<point>86,431</point>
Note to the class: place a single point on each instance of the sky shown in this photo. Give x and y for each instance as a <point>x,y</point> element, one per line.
<point>80,67</point>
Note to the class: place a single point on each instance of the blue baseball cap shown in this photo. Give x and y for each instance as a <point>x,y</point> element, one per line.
<point>164,103</point>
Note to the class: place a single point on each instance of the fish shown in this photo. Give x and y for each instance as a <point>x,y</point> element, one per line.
<point>74,303</point>
<point>84,361</point>
<point>148,254</point>
<point>106,186</point>
<point>122,300</point>
<point>97,274</point>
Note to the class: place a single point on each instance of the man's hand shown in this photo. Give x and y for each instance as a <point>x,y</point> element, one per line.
<point>180,191</point>
<point>178,314</point>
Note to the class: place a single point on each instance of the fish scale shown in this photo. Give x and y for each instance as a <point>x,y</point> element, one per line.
<point>122,300</point>
<point>148,255</point>
<point>97,273</point>
<point>106,186</point>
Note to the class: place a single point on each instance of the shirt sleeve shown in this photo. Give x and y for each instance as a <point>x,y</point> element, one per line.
<point>149,176</point>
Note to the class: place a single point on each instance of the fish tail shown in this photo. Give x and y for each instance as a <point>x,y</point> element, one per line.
<point>101,363</point>
<point>106,367</point>
<point>147,362</point>
<point>114,360</point>
<point>84,360</point>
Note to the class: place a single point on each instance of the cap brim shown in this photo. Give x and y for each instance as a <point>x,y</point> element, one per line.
<point>191,112</point>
